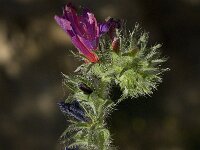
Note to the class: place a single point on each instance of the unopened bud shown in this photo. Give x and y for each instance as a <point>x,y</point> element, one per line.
<point>86,89</point>
<point>73,110</point>
<point>116,44</point>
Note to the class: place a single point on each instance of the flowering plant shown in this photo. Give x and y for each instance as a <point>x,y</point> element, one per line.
<point>114,57</point>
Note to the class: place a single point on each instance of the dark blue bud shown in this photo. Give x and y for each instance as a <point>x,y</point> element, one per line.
<point>76,148</point>
<point>85,88</point>
<point>63,107</point>
<point>73,109</point>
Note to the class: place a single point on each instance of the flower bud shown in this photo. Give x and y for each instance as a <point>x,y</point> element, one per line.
<point>115,44</point>
<point>73,110</point>
<point>83,87</point>
<point>75,148</point>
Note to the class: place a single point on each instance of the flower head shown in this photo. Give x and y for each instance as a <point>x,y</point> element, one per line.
<point>83,30</point>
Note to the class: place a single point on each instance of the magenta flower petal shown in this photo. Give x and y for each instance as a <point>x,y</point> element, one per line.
<point>92,57</point>
<point>90,44</point>
<point>91,30</point>
<point>71,15</point>
<point>65,25</point>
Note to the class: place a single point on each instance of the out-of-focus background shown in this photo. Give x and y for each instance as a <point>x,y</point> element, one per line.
<point>34,51</point>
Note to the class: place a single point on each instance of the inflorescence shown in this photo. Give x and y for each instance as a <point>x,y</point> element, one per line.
<point>113,56</point>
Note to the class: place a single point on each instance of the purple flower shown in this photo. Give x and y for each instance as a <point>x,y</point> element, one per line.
<point>83,30</point>
<point>74,110</point>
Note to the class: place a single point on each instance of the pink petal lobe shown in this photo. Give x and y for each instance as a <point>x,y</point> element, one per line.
<point>92,57</point>
<point>65,25</point>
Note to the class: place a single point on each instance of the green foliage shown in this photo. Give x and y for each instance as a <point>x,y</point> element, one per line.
<point>136,69</point>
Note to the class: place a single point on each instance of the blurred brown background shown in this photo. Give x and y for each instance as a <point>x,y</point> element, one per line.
<point>34,51</point>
